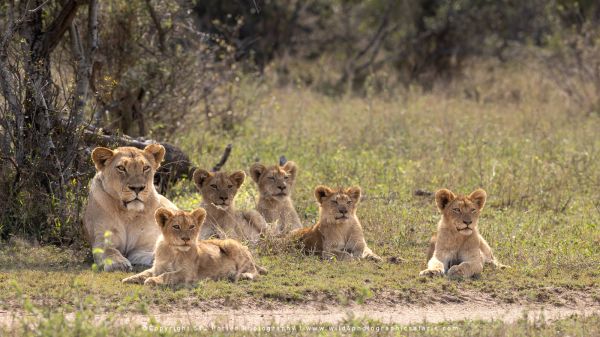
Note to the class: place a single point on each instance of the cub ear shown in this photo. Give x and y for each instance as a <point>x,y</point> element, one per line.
<point>256,170</point>
<point>200,176</point>
<point>443,197</point>
<point>162,215</point>
<point>199,215</point>
<point>238,178</point>
<point>101,156</point>
<point>157,152</point>
<point>478,197</point>
<point>322,192</point>
<point>291,168</point>
<point>354,193</point>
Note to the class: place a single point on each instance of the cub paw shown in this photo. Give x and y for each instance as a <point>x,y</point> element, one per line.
<point>151,281</point>
<point>455,272</point>
<point>133,279</point>
<point>431,272</point>
<point>374,257</point>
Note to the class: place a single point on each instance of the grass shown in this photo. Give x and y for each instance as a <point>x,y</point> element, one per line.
<point>538,160</point>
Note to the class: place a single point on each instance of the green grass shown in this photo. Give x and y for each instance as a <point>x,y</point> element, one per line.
<point>538,160</point>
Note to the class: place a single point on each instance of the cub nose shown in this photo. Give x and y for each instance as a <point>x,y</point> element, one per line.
<point>343,210</point>
<point>137,189</point>
<point>281,187</point>
<point>467,222</point>
<point>185,239</point>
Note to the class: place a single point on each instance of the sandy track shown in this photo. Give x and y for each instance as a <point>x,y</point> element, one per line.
<point>319,313</point>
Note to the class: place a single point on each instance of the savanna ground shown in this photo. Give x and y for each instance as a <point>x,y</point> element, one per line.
<point>521,140</point>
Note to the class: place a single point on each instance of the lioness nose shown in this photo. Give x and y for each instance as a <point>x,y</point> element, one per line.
<point>137,189</point>
<point>224,197</point>
<point>281,187</point>
<point>467,222</point>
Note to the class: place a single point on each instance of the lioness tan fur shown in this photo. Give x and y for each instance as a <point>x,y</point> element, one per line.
<point>338,232</point>
<point>457,249</point>
<point>275,184</point>
<point>182,258</point>
<point>122,201</point>
<point>223,220</point>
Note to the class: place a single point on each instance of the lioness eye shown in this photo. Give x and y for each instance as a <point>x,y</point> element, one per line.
<point>286,177</point>
<point>350,202</point>
<point>146,168</point>
<point>457,210</point>
<point>121,168</point>
<point>213,186</point>
<point>229,186</point>
<point>176,227</point>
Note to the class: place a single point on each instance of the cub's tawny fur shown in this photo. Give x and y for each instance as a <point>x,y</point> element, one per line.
<point>338,232</point>
<point>180,258</point>
<point>275,184</point>
<point>223,220</point>
<point>122,201</point>
<point>457,249</point>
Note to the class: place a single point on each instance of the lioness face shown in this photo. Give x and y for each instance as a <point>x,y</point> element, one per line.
<point>274,181</point>
<point>461,212</point>
<point>220,188</point>
<point>128,172</point>
<point>337,205</point>
<point>179,228</point>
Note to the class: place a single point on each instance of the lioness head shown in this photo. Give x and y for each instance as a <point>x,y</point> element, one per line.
<point>218,188</point>
<point>179,228</point>
<point>461,212</point>
<point>274,181</point>
<point>337,205</point>
<point>127,173</point>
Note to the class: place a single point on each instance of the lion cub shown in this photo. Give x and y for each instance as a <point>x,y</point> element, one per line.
<point>218,190</point>
<point>457,249</point>
<point>181,258</point>
<point>338,232</point>
<point>275,184</point>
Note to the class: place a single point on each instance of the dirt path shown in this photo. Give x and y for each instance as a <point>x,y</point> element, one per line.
<point>318,313</point>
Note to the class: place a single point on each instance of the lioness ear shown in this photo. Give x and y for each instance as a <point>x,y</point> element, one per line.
<point>443,197</point>
<point>200,177</point>
<point>101,156</point>
<point>354,193</point>
<point>238,177</point>
<point>256,170</point>
<point>478,197</point>
<point>157,151</point>
<point>199,215</point>
<point>291,168</point>
<point>162,215</point>
<point>322,192</point>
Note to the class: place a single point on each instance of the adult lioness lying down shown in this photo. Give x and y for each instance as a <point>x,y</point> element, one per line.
<point>122,201</point>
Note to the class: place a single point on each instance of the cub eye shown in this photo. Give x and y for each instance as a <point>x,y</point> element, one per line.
<point>192,226</point>
<point>176,227</point>
<point>334,202</point>
<point>213,186</point>
<point>146,168</point>
<point>456,210</point>
<point>271,178</point>
<point>121,168</point>
<point>229,186</point>
<point>473,210</point>
<point>286,177</point>
<point>349,202</point>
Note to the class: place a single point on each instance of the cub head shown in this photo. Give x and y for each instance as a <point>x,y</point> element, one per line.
<point>218,188</point>
<point>127,173</point>
<point>460,212</point>
<point>274,181</point>
<point>180,229</point>
<point>337,205</point>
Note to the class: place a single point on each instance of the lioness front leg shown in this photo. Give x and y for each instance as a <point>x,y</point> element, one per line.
<point>435,267</point>
<point>113,260</point>
<point>139,278</point>
<point>168,278</point>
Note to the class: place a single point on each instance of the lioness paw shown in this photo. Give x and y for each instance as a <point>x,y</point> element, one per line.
<point>152,281</point>
<point>374,257</point>
<point>431,272</point>
<point>456,271</point>
<point>117,264</point>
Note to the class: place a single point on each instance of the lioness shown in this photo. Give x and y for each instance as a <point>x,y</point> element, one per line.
<point>338,232</point>
<point>182,258</point>
<point>122,201</point>
<point>275,184</point>
<point>457,248</point>
<point>223,220</point>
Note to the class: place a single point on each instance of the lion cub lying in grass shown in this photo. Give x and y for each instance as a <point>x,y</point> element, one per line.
<point>218,190</point>
<point>275,184</point>
<point>181,258</point>
<point>338,232</point>
<point>457,249</point>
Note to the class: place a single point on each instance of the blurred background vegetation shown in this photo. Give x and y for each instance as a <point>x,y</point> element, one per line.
<point>202,73</point>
